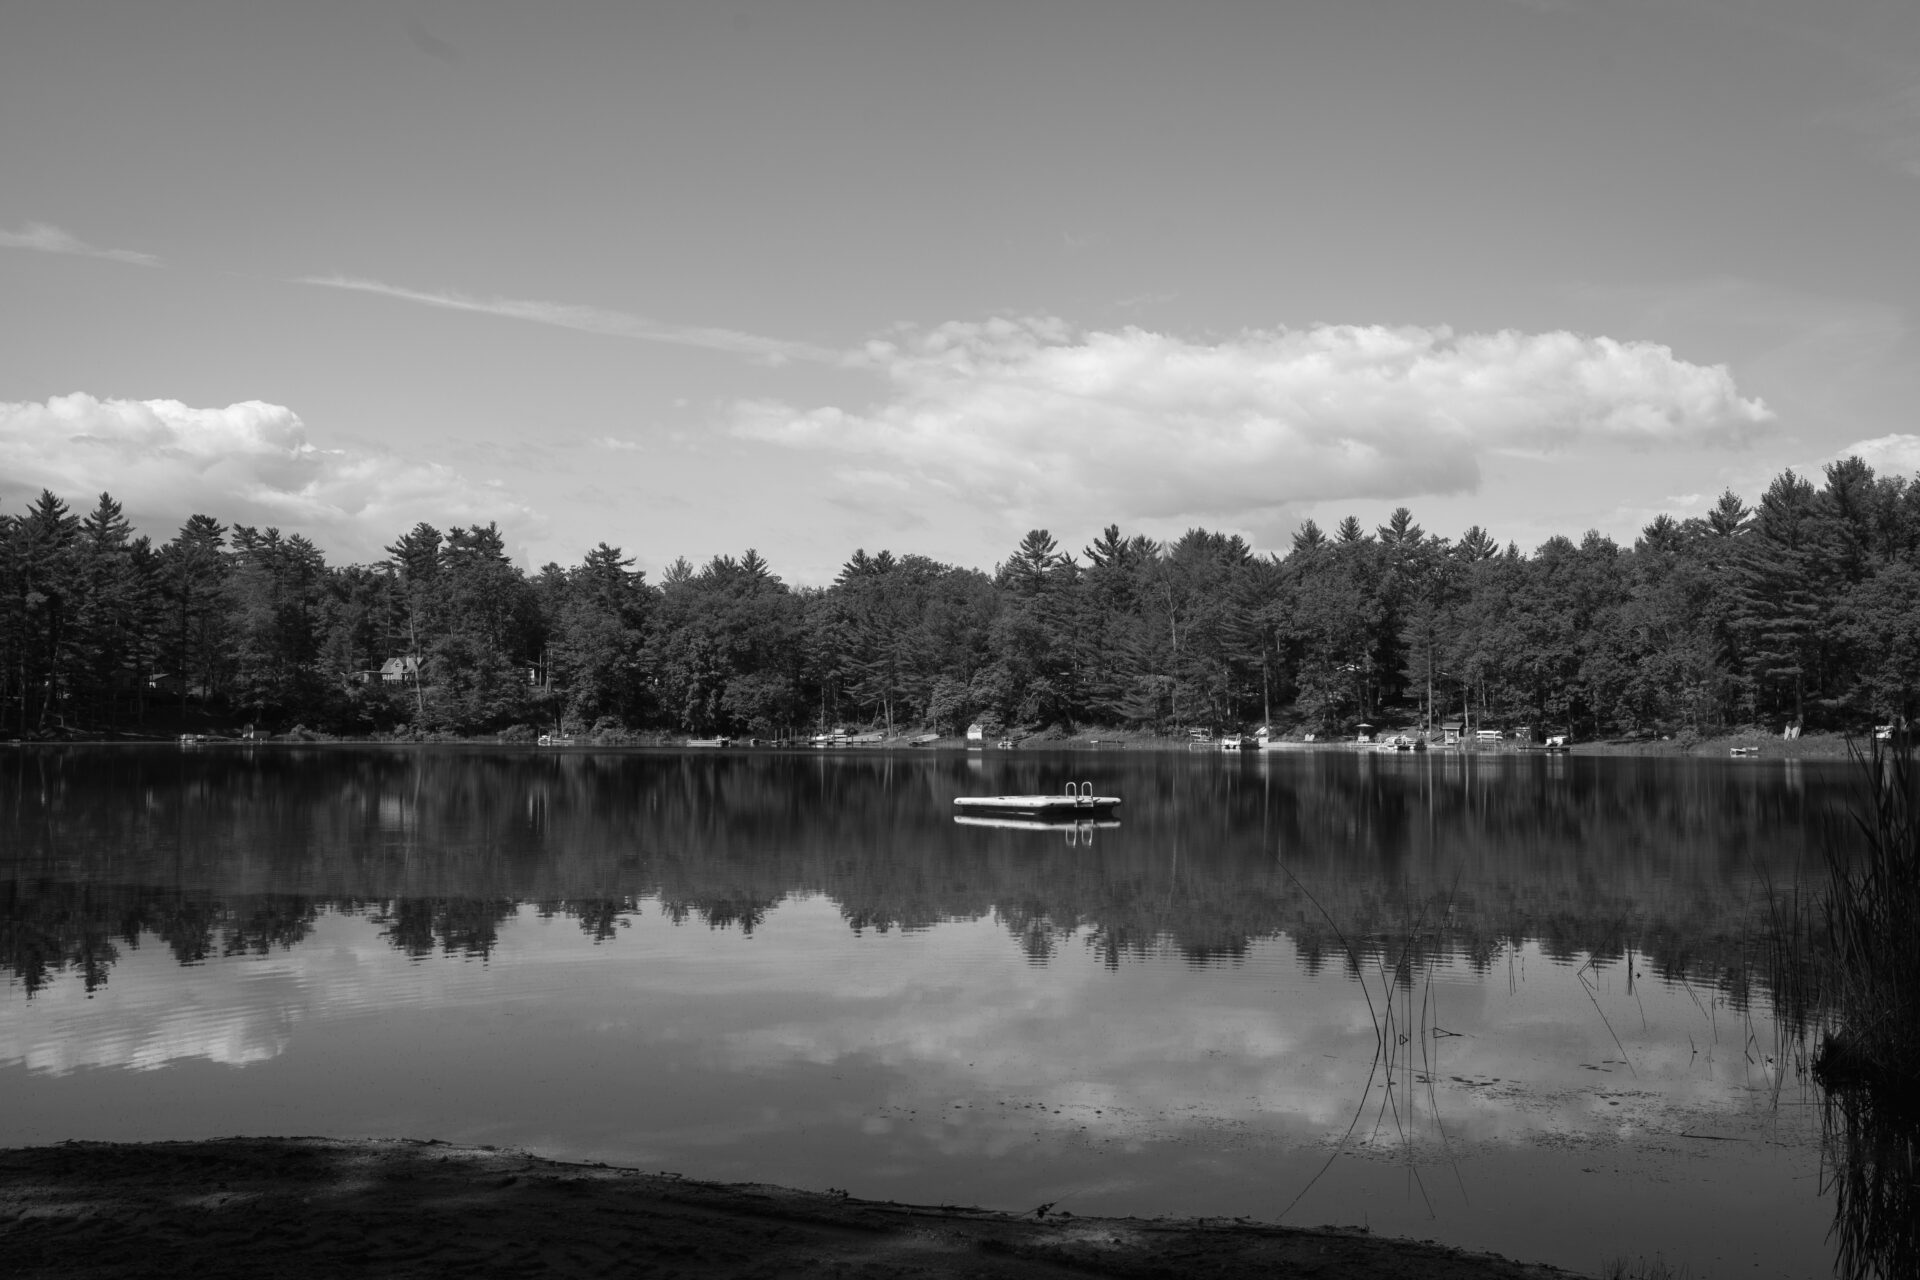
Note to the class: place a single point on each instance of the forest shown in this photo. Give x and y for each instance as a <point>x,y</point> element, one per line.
<point>1801,609</point>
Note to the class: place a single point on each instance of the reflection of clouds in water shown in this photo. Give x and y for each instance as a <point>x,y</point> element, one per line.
<point>146,1018</point>
<point>236,1011</point>
<point>231,1037</point>
<point>1069,1051</point>
<point>1068,1048</point>
<point>946,1041</point>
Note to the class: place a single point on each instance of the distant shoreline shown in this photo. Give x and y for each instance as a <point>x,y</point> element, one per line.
<point>1815,746</point>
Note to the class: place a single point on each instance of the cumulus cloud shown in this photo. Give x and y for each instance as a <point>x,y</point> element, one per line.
<point>1034,416</point>
<point>1892,455</point>
<point>250,463</point>
<point>612,324</point>
<point>41,238</point>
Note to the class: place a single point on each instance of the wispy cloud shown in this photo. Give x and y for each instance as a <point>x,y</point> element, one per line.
<point>430,44</point>
<point>612,324</point>
<point>1894,122</point>
<point>1547,6</point>
<point>1143,301</point>
<point>42,238</point>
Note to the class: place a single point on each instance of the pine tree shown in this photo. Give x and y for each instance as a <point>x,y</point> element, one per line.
<point>1779,607</point>
<point>1730,516</point>
<point>42,607</point>
<point>116,607</point>
<point>1475,545</point>
<point>413,565</point>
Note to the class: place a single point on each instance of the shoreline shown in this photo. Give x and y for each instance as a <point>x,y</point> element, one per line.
<point>299,1207</point>
<point>1819,746</point>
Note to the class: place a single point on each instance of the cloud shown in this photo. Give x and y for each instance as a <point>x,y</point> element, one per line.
<point>1889,121</point>
<point>41,238</point>
<point>430,44</point>
<point>613,324</point>
<point>1031,416</point>
<point>1891,455</point>
<point>250,463</point>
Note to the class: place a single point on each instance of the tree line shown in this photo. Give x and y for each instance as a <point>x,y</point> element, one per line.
<point>1803,608</point>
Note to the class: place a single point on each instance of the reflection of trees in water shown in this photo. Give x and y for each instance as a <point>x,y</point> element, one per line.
<point>1593,859</point>
<point>454,926</point>
<point>48,927</point>
<point>600,918</point>
<point>1873,1145</point>
<point>732,911</point>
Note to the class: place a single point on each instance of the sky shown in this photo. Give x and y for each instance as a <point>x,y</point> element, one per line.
<point>807,277</point>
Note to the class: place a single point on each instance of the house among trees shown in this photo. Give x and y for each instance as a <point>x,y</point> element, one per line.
<point>396,670</point>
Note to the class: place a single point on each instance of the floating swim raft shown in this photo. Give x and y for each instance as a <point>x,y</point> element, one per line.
<point>1079,821</point>
<point>1072,805</point>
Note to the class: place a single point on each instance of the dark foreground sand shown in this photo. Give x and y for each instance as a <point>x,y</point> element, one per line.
<point>299,1207</point>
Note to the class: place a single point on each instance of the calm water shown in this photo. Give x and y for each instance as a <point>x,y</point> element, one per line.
<point>1491,1000</point>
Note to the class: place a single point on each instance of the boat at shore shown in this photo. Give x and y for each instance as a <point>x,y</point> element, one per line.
<point>1073,804</point>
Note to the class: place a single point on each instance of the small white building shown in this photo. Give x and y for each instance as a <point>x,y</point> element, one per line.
<point>396,670</point>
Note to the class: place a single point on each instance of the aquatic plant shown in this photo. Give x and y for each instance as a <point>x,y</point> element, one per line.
<point>1872,1138</point>
<point>1871,914</point>
<point>1844,969</point>
<point>1870,944</point>
<point>1405,1028</point>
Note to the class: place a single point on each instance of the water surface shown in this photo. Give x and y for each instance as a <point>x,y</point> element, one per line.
<point>1494,1000</point>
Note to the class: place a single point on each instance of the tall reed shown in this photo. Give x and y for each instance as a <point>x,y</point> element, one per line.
<point>1871,913</point>
<point>1869,1063</point>
<point>1873,1144</point>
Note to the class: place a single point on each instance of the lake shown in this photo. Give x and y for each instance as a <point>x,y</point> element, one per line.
<point>1503,1001</point>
